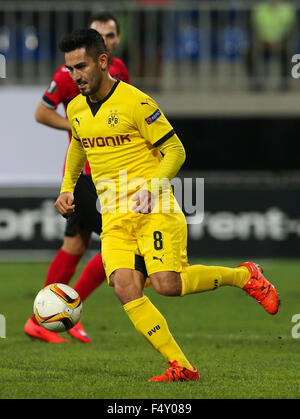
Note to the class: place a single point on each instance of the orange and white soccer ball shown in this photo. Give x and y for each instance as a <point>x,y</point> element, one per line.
<point>57,307</point>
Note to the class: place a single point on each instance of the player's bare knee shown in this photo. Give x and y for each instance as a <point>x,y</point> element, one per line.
<point>166,283</point>
<point>128,284</point>
<point>78,244</point>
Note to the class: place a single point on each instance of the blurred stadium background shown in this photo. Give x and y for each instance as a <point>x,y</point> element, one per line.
<point>224,72</point>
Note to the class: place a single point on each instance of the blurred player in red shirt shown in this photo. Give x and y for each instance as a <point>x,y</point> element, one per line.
<point>86,219</point>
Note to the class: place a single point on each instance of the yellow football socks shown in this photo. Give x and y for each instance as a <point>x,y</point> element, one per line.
<point>195,279</point>
<point>199,278</point>
<point>153,326</point>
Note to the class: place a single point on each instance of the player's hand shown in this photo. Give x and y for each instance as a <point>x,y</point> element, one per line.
<point>64,203</point>
<point>144,202</point>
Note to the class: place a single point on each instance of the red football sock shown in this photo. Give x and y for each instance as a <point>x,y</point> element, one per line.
<point>91,277</point>
<point>61,269</point>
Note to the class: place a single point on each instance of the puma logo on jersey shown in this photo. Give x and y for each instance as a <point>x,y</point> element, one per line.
<point>156,258</point>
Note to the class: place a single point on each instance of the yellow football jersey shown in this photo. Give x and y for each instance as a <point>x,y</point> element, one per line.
<point>119,137</point>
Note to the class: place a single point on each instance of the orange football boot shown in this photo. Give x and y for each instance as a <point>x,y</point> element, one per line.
<point>260,288</point>
<point>38,332</point>
<point>79,333</point>
<point>177,373</point>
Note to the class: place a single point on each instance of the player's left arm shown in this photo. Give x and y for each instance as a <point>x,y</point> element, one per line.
<point>157,130</point>
<point>174,157</point>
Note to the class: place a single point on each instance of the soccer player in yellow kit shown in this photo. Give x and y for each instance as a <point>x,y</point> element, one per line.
<point>131,147</point>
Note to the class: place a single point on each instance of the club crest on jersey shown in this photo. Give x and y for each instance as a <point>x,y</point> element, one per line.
<point>154,117</point>
<point>113,119</point>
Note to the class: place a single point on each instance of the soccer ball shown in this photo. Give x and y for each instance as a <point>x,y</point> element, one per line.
<point>57,307</point>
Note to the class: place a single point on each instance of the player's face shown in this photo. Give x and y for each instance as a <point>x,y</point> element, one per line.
<point>108,31</point>
<point>85,71</point>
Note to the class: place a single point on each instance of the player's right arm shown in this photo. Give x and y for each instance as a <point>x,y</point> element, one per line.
<point>64,203</point>
<point>51,118</point>
<point>76,159</point>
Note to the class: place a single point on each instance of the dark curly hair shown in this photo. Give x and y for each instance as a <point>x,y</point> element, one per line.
<point>89,39</point>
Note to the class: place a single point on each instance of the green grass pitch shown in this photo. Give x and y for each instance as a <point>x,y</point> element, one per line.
<point>240,351</point>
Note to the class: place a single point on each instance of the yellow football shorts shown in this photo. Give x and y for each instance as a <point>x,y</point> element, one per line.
<point>161,239</point>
